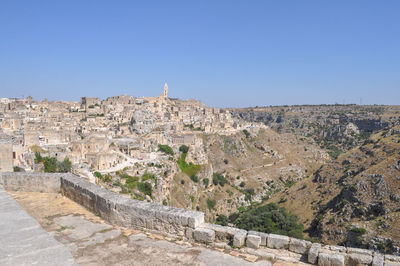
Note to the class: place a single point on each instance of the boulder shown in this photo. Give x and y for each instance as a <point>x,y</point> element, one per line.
<point>253,241</point>
<point>331,259</point>
<point>204,235</point>
<point>313,253</point>
<point>277,241</point>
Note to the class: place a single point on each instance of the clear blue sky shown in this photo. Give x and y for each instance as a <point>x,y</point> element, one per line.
<point>225,53</point>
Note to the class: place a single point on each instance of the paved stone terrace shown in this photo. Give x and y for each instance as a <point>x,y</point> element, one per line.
<point>23,241</point>
<point>92,241</point>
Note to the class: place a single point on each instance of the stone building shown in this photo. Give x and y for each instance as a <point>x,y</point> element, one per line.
<point>6,153</point>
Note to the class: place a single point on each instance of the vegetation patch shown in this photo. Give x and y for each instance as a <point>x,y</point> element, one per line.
<point>166,149</point>
<point>188,168</point>
<point>269,218</point>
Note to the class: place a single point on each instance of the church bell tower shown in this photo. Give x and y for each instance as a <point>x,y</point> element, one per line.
<point>165,90</point>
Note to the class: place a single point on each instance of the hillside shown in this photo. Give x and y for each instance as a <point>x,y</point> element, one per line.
<point>245,168</point>
<point>355,199</point>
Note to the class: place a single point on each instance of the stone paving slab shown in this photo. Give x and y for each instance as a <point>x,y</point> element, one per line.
<point>23,241</point>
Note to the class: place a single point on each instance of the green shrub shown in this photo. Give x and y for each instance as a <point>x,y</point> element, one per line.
<point>38,157</point>
<point>246,133</point>
<point>289,183</point>
<point>131,182</point>
<point>64,166</point>
<point>268,218</point>
<point>211,203</point>
<point>166,149</point>
<point>282,200</point>
<point>194,178</point>
<point>218,178</point>
<point>145,188</point>
<point>222,220</point>
<point>107,178</point>
<point>206,181</point>
<point>358,230</point>
<point>148,176</point>
<point>98,174</point>
<point>242,184</point>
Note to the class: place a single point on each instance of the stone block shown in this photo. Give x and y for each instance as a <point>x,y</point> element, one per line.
<point>331,259</point>
<point>313,253</point>
<point>239,238</point>
<point>359,259</point>
<point>299,246</point>
<point>378,260</point>
<point>204,235</point>
<point>277,241</point>
<point>195,219</point>
<point>253,241</point>
<point>263,236</point>
<point>224,233</point>
<point>359,251</point>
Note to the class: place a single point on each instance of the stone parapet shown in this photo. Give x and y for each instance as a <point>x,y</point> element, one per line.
<point>31,182</point>
<point>129,212</point>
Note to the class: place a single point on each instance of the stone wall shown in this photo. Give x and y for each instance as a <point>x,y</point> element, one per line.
<point>129,212</point>
<point>31,182</point>
<point>184,223</point>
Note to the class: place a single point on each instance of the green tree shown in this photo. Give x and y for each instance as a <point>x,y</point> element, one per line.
<point>50,164</point>
<point>184,149</point>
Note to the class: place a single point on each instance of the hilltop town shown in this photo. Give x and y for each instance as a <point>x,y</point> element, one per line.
<point>222,162</point>
<point>121,134</point>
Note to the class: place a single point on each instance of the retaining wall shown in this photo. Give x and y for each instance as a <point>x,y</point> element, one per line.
<point>186,223</point>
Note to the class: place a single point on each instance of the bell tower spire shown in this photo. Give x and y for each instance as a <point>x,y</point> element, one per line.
<point>165,90</point>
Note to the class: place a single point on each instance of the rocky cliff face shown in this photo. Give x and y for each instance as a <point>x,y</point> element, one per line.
<point>361,188</point>
<point>332,126</point>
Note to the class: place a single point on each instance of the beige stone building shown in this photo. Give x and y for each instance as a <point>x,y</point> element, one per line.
<point>6,153</point>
